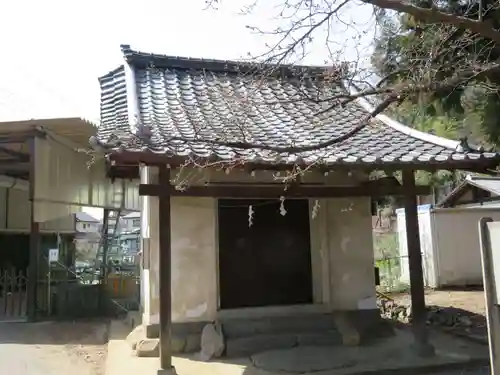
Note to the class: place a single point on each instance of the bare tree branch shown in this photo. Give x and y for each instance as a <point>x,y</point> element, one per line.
<point>433,15</point>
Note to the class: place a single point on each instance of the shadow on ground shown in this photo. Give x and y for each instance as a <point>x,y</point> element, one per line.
<point>81,332</point>
<point>459,322</point>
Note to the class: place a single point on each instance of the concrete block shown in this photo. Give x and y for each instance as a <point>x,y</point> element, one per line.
<point>193,343</point>
<point>148,348</point>
<point>137,334</point>
<point>153,331</point>
<point>350,335</point>
<point>178,344</point>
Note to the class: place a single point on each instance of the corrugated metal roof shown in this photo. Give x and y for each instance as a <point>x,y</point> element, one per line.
<point>133,215</point>
<point>201,100</point>
<point>491,184</point>
<point>83,216</point>
<point>76,129</point>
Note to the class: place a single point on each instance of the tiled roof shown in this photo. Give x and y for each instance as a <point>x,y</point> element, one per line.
<point>489,184</point>
<point>197,100</point>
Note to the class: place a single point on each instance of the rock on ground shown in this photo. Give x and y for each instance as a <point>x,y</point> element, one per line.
<point>459,311</point>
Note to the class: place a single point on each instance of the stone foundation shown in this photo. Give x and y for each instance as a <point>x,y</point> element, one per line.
<point>251,335</point>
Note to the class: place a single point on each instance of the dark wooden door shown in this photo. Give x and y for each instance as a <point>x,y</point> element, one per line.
<point>269,262</point>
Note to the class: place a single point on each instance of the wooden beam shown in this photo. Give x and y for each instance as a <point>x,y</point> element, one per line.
<point>14,166</point>
<point>19,156</point>
<point>249,191</point>
<point>20,137</point>
<point>127,172</point>
<point>419,313</point>
<point>165,270</point>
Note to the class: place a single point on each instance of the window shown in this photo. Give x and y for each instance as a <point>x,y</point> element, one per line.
<point>136,223</point>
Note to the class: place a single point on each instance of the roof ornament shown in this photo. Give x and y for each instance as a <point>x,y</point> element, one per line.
<point>464,146</point>
<point>97,145</point>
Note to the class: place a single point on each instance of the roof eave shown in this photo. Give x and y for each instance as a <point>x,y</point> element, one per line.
<point>134,158</point>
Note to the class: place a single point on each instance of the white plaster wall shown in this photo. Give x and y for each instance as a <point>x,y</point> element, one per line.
<point>456,241</point>
<point>449,238</point>
<point>341,254</point>
<point>194,261</point>
<point>426,223</point>
<point>86,227</point>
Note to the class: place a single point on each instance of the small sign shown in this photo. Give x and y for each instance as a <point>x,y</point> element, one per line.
<point>53,255</point>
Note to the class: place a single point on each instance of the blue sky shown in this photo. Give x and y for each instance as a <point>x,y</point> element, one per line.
<point>56,49</point>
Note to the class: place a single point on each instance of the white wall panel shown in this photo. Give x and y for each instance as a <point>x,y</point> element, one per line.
<point>65,176</point>
<point>15,213</point>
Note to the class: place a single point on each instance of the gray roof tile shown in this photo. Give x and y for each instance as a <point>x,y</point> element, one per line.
<point>198,99</point>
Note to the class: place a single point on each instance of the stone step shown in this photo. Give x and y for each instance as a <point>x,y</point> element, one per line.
<point>307,323</point>
<point>247,346</point>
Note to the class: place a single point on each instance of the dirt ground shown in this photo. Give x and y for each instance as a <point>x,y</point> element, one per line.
<point>53,348</point>
<point>468,302</point>
<point>88,341</point>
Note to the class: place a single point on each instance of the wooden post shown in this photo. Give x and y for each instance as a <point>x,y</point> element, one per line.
<point>419,313</point>
<point>103,266</point>
<point>105,245</point>
<point>165,269</point>
<point>32,283</point>
<point>490,293</point>
<point>34,242</point>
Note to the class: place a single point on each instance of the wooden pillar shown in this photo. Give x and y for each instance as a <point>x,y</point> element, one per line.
<point>419,313</point>
<point>165,270</point>
<point>34,242</point>
<point>32,283</point>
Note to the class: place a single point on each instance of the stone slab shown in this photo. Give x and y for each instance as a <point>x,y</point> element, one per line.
<point>137,334</point>
<point>148,348</point>
<point>319,339</point>
<point>246,346</point>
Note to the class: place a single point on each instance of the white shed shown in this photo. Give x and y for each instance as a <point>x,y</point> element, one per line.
<point>449,233</point>
<point>450,245</point>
